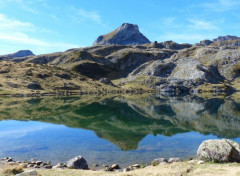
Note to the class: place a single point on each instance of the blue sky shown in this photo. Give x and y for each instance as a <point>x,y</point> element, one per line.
<point>46,26</point>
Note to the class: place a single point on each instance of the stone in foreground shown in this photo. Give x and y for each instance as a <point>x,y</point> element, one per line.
<point>115,166</point>
<point>28,173</point>
<point>174,160</point>
<point>157,161</point>
<point>219,150</point>
<point>77,163</point>
<point>200,162</point>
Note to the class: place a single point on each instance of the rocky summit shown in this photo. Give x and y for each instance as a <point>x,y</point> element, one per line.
<point>224,38</point>
<point>126,34</point>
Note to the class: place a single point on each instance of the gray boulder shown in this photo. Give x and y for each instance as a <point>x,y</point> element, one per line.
<point>28,173</point>
<point>60,166</point>
<point>77,163</point>
<point>174,160</point>
<point>157,161</point>
<point>220,151</point>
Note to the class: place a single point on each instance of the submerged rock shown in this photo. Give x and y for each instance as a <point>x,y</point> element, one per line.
<point>77,163</point>
<point>219,151</point>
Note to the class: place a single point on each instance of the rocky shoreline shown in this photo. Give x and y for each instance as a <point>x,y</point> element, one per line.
<point>80,163</point>
<point>217,151</point>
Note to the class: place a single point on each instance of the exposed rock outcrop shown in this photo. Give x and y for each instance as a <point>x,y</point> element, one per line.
<point>224,38</point>
<point>205,42</point>
<point>192,69</point>
<point>126,34</point>
<point>168,45</point>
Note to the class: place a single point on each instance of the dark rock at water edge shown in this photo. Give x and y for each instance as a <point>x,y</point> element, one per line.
<point>77,163</point>
<point>174,160</point>
<point>159,161</point>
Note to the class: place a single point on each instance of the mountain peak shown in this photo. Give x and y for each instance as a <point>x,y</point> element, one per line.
<point>21,53</point>
<point>126,34</point>
<point>128,27</point>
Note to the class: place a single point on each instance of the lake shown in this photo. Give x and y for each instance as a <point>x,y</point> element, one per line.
<point>114,129</point>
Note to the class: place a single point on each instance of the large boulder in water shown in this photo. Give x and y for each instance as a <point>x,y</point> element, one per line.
<point>219,150</point>
<point>77,163</point>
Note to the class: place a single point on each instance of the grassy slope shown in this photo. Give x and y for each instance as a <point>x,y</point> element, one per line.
<point>15,77</point>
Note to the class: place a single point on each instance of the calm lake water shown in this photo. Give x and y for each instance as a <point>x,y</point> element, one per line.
<point>107,130</point>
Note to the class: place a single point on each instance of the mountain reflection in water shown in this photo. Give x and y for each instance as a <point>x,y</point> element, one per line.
<point>127,121</point>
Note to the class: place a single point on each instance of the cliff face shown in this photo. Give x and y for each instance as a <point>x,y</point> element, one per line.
<point>126,34</point>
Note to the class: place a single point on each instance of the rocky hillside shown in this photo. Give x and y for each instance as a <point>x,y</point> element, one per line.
<point>166,67</point>
<point>126,34</point>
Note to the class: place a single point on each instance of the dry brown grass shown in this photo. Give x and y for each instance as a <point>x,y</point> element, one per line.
<point>12,170</point>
